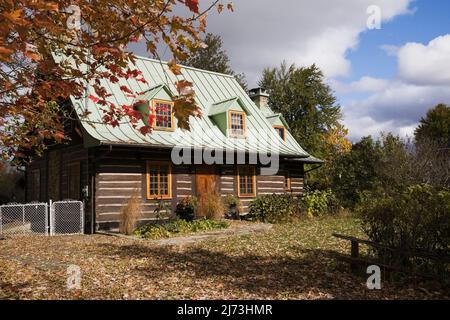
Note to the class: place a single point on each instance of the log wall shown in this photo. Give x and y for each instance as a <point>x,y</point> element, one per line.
<point>122,174</point>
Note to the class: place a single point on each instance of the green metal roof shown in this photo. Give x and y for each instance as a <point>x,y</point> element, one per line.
<point>226,105</point>
<point>152,92</point>
<point>213,91</point>
<point>275,118</point>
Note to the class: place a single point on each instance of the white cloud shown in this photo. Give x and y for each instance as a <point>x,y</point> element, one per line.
<point>426,64</point>
<point>390,50</point>
<point>365,84</point>
<point>261,33</point>
<point>366,126</point>
<point>396,109</point>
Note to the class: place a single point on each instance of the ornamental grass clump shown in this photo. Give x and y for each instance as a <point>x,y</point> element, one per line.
<point>130,214</point>
<point>212,206</point>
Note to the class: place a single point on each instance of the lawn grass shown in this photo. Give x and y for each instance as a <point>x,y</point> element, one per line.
<point>291,261</point>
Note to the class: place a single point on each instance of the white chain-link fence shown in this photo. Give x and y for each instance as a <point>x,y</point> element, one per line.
<point>57,218</point>
<point>66,217</point>
<point>24,219</point>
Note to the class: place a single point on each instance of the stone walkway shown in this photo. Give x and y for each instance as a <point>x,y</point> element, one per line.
<point>234,230</point>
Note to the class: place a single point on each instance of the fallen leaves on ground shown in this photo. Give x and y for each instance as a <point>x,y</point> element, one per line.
<point>292,261</point>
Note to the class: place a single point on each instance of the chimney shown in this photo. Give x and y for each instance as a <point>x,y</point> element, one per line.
<point>260,97</point>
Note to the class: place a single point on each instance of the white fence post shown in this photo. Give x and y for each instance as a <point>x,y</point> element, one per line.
<point>47,233</point>
<point>82,217</point>
<point>52,220</point>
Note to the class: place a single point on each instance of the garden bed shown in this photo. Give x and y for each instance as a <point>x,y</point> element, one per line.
<point>178,228</point>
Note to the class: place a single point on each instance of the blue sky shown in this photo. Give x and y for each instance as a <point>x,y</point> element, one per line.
<point>429,19</point>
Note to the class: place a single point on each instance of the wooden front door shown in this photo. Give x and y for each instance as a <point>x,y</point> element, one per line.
<point>205,183</point>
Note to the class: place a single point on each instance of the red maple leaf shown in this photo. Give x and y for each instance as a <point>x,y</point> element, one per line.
<point>93,98</point>
<point>192,5</point>
<point>125,89</point>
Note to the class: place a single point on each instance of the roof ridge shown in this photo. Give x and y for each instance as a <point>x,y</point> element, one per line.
<point>186,67</point>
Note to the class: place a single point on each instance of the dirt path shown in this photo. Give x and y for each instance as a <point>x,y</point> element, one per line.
<point>232,231</point>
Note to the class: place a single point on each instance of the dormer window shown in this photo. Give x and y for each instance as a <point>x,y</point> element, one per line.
<point>281,131</point>
<point>237,125</point>
<point>163,112</point>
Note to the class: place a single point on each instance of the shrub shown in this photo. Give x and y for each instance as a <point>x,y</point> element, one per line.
<point>178,227</point>
<point>319,203</point>
<point>212,206</point>
<point>233,207</point>
<point>130,214</point>
<point>275,208</point>
<point>163,210</point>
<point>416,219</point>
<point>187,208</point>
<point>12,182</point>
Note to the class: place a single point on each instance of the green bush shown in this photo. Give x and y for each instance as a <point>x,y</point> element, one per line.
<point>178,227</point>
<point>275,208</point>
<point>187,208</point>
<point>416,219</point>
<point>319,203</point>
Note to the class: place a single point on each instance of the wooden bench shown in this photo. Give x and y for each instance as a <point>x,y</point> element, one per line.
<point>355,259</point>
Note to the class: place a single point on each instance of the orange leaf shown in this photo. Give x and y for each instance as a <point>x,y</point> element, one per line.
<point>174,67</point>
<point>5,51</point>
<point>13,16</point>
<point>183,85</point>
<point>33,56</point>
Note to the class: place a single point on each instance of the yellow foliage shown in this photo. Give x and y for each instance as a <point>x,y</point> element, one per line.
<point>336,140</point>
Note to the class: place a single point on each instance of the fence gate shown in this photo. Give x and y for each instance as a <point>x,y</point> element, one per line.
<point>66,217</point>
<point>57,218</point>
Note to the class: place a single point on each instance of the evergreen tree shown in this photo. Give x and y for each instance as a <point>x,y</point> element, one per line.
<point>306,102</point>
<point>214,58</point>
<point>435,127</point>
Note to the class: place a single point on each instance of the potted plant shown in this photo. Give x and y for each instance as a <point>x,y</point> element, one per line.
<point>234,207</point>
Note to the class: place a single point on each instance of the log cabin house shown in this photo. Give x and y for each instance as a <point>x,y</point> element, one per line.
<point>104,165</point>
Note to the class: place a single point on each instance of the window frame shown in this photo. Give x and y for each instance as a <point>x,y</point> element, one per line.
<point>238,181</point>
<point>244,120</point>
<point>148,165</point>
<point>284,131</point>
<point>153,110</point>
